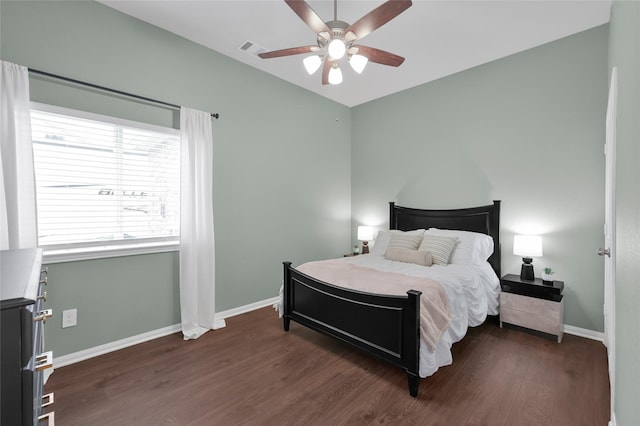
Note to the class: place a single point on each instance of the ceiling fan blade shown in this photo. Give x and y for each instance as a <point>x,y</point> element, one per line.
<point>380,56</point>
<point>376,18</point>
<point>288,52</point>
<point>308,15</point>
<point>325,70</point>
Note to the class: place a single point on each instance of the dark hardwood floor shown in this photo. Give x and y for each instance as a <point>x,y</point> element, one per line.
<point>254,373</point>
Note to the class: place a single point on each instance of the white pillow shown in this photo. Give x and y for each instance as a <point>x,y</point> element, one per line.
<point>440,247</point>
<point>381,243</point>
<point>473,248</point>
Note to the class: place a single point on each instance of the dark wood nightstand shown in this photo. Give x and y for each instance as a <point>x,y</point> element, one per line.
<point>532,304</point>
<point>350,254</point>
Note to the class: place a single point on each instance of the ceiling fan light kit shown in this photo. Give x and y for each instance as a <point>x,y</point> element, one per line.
<point>335,40</point>
<point>336,49</point>
<point>312,63</point>
<point>358,62</point>
<point>335,74</point>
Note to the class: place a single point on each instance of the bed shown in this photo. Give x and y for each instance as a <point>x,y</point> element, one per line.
<point>387,326</point>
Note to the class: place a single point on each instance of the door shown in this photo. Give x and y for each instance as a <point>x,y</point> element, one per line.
<point>608,252</point>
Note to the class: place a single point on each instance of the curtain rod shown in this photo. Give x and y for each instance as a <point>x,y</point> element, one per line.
<point>107,89</point>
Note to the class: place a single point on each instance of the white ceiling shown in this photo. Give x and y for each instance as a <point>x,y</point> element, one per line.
<point>437,38</point>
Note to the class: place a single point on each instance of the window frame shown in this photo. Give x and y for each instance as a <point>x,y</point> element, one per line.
<point>59,253</point>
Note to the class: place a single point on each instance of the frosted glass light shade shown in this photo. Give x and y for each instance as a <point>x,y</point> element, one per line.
<point>335,75</point>
<point>358,62</point>
<point>336,48</point>
<point>312,63</point>
<point>527,245</point>
<point>365,233</point>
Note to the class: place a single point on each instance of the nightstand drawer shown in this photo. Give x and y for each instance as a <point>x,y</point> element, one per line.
<point>513,284</point>
<point>537,314</point>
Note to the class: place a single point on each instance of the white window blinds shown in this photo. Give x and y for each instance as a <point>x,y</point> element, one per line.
<point>102,180</point>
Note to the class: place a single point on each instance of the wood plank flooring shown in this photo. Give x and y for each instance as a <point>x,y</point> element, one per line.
<point>254,373</point>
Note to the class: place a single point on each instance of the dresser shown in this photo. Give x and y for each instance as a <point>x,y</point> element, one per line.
<point>22,298</point>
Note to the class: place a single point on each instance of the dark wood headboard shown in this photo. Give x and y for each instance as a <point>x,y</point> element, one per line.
<point>483,219</point>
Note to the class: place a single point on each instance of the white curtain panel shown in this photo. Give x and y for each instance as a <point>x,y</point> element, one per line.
<point>197,253</point>
<point>18,218</point>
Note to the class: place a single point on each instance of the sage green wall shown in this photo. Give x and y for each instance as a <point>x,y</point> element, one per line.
<point>281,189</point>
<point>527,129</point>
<point>624,52</point>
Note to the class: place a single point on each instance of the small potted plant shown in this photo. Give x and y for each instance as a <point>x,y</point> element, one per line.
<point>547,276</point>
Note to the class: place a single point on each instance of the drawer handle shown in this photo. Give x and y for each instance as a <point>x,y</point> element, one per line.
<point>43,296</point>
<point>44,361</point>
<point>49,418</point>
<point>47,400</point>
<point>43,315</point>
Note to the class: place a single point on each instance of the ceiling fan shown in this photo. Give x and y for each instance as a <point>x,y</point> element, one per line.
<point>336,39</point>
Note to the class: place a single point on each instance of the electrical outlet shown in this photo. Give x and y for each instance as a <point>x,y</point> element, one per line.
<point>69,318</point>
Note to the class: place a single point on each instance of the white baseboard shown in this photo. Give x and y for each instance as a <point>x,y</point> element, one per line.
<point>583,332</point>
<point>74,357</point>
<point>247,308</point>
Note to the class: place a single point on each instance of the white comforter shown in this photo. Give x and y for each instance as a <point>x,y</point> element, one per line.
<point>473,292</point>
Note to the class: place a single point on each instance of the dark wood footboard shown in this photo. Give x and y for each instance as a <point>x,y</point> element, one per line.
<point>385,326</point>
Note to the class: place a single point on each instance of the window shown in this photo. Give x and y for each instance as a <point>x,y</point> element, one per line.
<point>104,184</point>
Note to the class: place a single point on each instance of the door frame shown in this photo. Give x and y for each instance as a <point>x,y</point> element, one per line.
<point>610,234</point>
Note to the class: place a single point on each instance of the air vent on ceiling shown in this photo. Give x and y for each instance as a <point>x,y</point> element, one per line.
<point>250,48</point>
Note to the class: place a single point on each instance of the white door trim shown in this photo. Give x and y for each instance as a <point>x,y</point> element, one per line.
<point>609,233</point>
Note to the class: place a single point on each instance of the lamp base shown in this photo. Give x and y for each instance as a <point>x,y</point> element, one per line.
<point>526,272</point>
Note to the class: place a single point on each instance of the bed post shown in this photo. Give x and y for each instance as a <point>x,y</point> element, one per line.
<point>494,230</point>
<point>286,301</point>
<point>412,341</point>
<point>392,217</point>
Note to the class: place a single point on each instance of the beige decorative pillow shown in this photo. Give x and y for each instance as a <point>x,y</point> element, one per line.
<point>403,240</point>
<point>439,246</point>
<point>419,257</point>
<point>381,243</point>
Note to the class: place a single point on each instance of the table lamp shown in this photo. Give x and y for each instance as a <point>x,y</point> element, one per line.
<point>365,234</point>
<point>527,246</point>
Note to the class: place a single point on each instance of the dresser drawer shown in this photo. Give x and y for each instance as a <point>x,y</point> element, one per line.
<point>530,312</point>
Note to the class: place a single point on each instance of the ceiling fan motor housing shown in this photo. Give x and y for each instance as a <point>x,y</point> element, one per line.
<point>338,30</point>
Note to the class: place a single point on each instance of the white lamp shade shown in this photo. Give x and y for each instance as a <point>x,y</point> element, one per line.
<point>336,48</point>
<point>527,245</point>
<point>312,63</point>
<point>335,75</point>
<point>365,233</point>
<point>358,62</point>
